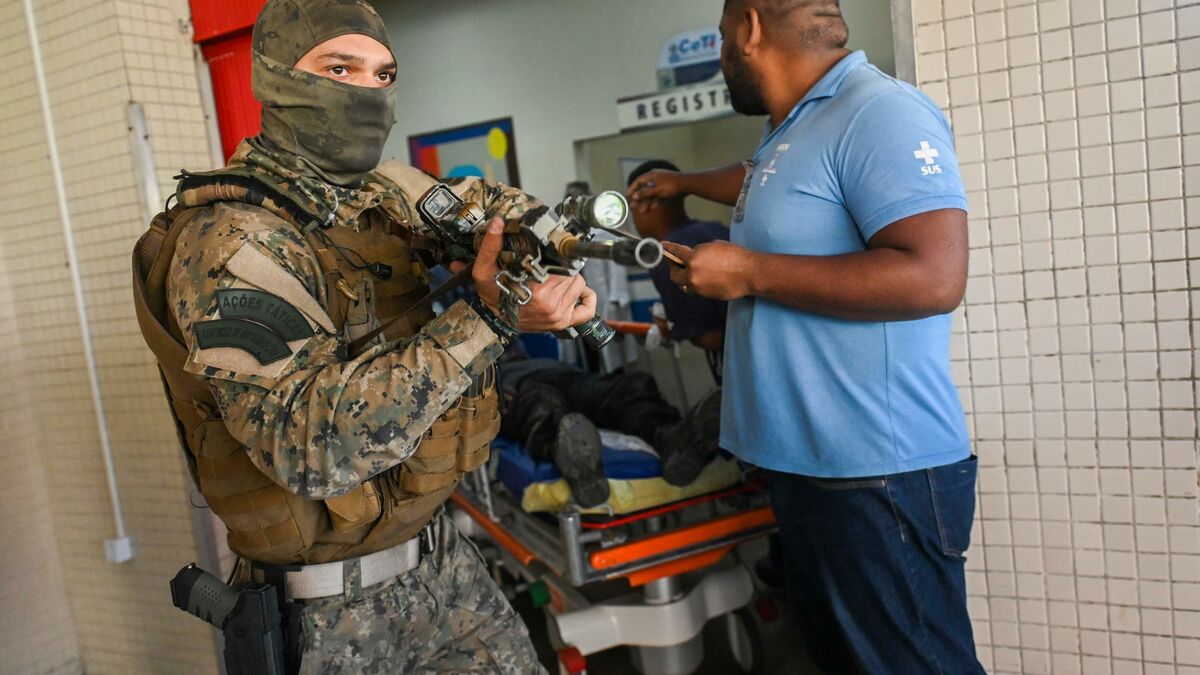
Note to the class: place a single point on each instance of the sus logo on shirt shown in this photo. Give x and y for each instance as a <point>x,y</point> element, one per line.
<point>927,153</point>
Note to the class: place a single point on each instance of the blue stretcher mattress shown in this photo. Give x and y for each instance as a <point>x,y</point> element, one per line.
<point>634,477</point>
<point>517,470</point>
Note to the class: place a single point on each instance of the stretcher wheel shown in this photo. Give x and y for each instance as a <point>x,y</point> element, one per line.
<point>743,644</point>
<point>571,662</point>
<point>767,609</point>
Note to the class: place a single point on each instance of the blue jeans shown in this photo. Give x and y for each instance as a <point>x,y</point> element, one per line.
<point>875,568</point>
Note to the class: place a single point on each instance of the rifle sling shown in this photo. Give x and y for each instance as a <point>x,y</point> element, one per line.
<point>447,286</point>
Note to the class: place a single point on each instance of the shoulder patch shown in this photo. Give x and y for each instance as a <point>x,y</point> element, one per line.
<point>264,308</point>
<point>259,341</point>
<point>255,267</point>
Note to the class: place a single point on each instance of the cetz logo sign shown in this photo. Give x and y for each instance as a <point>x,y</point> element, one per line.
<point>691,47</point>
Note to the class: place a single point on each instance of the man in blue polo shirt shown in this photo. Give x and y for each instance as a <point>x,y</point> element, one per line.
<point>848,251</point>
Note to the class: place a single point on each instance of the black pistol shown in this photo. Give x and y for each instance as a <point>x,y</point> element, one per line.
<point>249,619</point>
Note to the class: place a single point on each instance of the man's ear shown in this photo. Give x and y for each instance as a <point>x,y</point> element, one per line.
<point>751,30</point>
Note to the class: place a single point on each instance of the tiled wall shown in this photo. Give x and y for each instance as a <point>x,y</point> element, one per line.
<point>1078,129</point>
<point>63,607</point>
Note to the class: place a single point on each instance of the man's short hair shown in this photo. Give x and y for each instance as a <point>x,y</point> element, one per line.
<point>577,187</point>
<point>823,28</point>
<point>647,167</point>
<point>777,8</point>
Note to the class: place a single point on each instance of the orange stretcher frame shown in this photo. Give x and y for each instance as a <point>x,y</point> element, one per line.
<point>630,327</point>
<point>515,548</point>
<point>683,538</point>
<point>649,548</point>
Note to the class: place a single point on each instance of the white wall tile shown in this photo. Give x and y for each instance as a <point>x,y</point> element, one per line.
<point>1126,96</point>
<point>1060,105</point>
<point>1188,20</point>
<point>1125,64</point>
<point>1089,39</point>
<point>990,27</point>
<point>1091,70</point>
<point>1158,59</point>
<point>961,62</point>
<point>1087,11</point>
<point>926,12</point>
<point>992,56</point>
<point>956,8</point>
<point>1162,122</point>
<point>1058,75</point>
<point>1022,20</point>
<point>960,32</point>
<point>1099,137</point>
<point>1056,45</point>
<point>1023,51</point>
<point>931,38</point>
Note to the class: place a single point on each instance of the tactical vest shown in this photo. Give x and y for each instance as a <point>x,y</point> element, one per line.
<point>266,522</point>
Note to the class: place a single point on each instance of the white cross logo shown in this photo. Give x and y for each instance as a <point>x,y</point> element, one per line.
<point>926,153</point>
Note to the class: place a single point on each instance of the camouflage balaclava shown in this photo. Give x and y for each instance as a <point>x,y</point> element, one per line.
<point>336,129</point>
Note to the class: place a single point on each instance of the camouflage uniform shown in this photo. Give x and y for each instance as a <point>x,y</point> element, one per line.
<point>318,421</point>
<point>445,616</point>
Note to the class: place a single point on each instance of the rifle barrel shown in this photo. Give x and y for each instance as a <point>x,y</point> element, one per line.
<point>645,253</point>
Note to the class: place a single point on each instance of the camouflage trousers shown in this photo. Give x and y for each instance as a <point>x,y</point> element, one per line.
<point>445,616</point>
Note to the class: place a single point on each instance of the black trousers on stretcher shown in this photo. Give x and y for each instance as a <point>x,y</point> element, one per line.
<point>538,392</point>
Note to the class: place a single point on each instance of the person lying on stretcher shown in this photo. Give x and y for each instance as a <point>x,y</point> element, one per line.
<point>555,409</point>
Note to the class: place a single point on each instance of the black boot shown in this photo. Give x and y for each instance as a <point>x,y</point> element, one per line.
<point>532,416</point>
<point>694,442</point>
<point>577,453</point>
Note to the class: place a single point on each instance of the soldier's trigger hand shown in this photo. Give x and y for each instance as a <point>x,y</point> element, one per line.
<point>556,304</point>
<point>487,264</point>
<point>586,308</point>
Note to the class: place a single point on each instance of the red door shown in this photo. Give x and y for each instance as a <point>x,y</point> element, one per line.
<point>222,29</point>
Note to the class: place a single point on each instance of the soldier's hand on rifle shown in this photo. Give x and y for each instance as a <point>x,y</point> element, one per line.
<point>557,303</point>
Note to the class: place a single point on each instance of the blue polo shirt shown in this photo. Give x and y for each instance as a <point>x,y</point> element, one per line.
<point>827,397</point>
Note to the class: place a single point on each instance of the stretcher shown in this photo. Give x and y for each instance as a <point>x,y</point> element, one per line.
<point>649,577</point>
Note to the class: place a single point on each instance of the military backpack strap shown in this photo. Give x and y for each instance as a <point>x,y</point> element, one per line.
<point>152,256</point>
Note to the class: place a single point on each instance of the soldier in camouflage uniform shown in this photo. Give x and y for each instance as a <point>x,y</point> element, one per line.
<point>265,272</point>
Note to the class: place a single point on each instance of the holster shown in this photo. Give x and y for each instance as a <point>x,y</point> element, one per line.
<point>293,636</point>
<point>289,619</point>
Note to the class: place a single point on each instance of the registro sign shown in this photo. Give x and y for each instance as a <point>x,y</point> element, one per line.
<point>686,104</point>
<point>690,84</point>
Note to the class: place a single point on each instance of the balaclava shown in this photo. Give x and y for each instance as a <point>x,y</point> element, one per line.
<point>337,129</point>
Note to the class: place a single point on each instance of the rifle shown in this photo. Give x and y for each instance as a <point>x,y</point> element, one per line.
<point>544,242</point>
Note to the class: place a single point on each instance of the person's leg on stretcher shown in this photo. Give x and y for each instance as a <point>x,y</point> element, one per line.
<point>555,410</point>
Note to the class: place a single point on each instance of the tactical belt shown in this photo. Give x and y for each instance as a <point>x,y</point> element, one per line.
<point>306,582</point>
